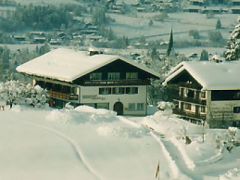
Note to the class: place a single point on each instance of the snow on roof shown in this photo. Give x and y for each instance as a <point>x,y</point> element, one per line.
<point>68,64</point>
<point>211,75</point>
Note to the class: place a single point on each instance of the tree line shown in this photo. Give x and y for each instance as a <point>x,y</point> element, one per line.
<point>36,18</point>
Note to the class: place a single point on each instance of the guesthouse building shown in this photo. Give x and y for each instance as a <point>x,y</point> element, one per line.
<point>91,78</point>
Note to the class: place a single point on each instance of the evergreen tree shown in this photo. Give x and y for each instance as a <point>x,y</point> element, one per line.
<point>150,23</point>
<point>170,44</point>
<point>233,47</point>
<point>204,55</point>
<point>218,24</point>
<point>44,49</point>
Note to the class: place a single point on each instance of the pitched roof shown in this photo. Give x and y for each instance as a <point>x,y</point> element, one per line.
<point>68,64</point>
<point>211,75</point>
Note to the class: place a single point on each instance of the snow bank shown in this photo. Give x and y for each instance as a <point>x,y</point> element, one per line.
<point>233,174</point>
<point>81,114</point>
<point>104,130</point>
<point>59,115</point>
<point>88,109</point>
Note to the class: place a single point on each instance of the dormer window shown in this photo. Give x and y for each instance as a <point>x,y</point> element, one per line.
<point>131,75</point>
<point>113,76</point>
<point>96,76</point>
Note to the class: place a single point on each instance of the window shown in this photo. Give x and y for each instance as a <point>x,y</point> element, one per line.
<point>96,76</point>
<point>236,95</point>
<point>187,106</point>
<point>236,109</point>
<point>140,106</point>
<point>118,90</point>
<point>74,90</point>
<point>131,90</point>
<point>131,106</point>
<point>203,94</point>
<point>105,91</point>
<point>190,93</point>
<point>181,91</point>
<point>113,76</point>
<point>225,95</point>
<point>202,109</point>
<point>185,92</point>
<point>131,75</point>
<point>102,105</point>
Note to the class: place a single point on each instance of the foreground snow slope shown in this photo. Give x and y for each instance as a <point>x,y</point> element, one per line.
<point>73,145</point>
<point>96,144</point>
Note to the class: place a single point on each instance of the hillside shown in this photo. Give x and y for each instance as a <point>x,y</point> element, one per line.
<point>96,144</point>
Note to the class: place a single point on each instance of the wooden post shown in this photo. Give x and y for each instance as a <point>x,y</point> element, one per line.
<point>157,174</point>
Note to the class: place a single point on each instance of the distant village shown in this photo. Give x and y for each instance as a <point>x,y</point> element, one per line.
<point>85,29</point>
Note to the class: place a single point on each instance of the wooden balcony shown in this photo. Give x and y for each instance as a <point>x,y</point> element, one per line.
<point>62,96</point>
<point>190,115</point>
<point>117,82</point>
<point>191,100</point>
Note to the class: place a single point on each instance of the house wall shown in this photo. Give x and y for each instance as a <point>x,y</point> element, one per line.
<point>221,113</point>
<point>90,95</point>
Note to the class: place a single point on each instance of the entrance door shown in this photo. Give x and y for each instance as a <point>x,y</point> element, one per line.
<point>118,107</point>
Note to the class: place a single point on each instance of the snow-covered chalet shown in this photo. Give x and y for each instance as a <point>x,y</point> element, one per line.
<point>93,79</point>
<point>207,92</point>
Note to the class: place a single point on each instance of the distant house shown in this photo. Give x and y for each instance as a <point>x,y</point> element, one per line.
<point>214,10</point>
<point>235,10</point>
<point>92,78</point>
<point>197,2</point>
<point>19,38</point>
<point>235,2</point>
<point>207,92</point>
<point>192,9</point>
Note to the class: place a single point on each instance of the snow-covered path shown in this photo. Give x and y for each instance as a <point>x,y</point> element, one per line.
<point>164,130</point>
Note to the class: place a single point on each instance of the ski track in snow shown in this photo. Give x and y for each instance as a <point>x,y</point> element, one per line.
<point>174,174</point>
<point>172,164</point>
<point>77,150</point>
<point>213,159</point>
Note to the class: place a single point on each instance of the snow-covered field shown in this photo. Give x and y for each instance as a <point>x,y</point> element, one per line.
<point>42,2</point>
<point>96,144</point>
<point>137,25</point>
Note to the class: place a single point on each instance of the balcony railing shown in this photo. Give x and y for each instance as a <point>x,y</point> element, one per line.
<point>63,96</point>
<point>190,115</point>
<point>191,100</point>
<point>117,82</point>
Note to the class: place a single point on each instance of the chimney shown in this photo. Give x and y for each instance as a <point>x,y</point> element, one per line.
<point>94,51</point>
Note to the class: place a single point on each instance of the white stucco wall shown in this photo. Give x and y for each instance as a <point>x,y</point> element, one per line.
<point>223,106</point>
<point>91,95</point>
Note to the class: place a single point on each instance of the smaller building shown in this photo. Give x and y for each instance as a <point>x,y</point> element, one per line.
<point>207,92</point>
